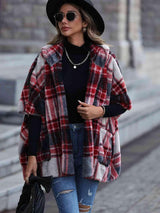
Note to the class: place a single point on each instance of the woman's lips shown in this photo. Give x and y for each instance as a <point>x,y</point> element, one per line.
<point>65,28</point>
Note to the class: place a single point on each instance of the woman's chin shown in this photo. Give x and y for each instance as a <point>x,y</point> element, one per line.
<point>66,33</point>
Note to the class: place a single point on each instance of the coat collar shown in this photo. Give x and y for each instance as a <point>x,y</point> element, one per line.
<point>53,54</point>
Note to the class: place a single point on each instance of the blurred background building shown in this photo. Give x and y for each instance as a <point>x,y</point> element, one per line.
<point>130,26</point>
<point>133,33</point>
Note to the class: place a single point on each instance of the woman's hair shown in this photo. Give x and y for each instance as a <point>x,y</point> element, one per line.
<point>91,31</point>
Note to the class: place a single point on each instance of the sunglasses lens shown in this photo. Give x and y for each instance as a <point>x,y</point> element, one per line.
<point>70,16</point>
<point>59,17</point>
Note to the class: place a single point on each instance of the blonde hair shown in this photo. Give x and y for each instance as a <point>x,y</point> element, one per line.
<point>91,30</point>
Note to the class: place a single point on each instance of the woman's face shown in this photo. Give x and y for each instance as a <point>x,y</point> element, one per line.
<point>71,29</point>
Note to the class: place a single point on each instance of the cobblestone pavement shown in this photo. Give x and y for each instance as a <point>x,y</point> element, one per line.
<point>138,188</point>
<point>136,191</point>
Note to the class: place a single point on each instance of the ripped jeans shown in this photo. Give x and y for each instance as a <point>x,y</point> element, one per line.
<point>75,194</point>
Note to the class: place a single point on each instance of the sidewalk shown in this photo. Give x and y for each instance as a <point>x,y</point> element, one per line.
<point>136,191</point>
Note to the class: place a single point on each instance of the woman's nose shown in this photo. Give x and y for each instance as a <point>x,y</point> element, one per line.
<point>64,20</point>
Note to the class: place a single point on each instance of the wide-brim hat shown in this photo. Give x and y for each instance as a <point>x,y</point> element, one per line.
<point>53,7</point>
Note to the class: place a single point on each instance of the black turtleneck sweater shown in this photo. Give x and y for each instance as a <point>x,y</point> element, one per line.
<point>75,82</point>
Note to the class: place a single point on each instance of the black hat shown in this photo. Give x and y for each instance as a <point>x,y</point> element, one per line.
<point>54,5</point>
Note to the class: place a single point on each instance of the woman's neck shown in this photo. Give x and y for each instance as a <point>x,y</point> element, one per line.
<point>76,42</point>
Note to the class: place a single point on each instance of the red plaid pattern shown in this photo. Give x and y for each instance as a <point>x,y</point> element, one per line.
<point>44,95</point>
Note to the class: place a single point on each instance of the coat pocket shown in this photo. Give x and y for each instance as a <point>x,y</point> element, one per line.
<point>105,147</point>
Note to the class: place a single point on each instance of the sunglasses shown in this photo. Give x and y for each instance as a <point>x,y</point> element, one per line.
<point>69,15</point>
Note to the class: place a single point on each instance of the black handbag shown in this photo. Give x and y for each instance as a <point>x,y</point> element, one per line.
<point>32,199</point>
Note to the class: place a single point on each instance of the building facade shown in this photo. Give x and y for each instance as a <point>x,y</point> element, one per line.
<point>130,25</point>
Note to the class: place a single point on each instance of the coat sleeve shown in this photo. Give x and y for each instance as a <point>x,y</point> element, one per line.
<point>119,91</point>
<point>31,100</point>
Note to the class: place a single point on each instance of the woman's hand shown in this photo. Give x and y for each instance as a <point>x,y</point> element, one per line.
<point>31,168</point>
<point>88,112</point>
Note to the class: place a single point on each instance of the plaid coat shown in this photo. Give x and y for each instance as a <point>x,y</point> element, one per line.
<point>44,95</point>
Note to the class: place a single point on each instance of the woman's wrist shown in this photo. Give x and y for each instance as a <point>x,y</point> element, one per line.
<point>101,111</point>
<point>103,108</point>
<point>31,157</point>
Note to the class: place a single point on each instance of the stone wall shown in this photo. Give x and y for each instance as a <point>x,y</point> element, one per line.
<point>123,29</point>
<point>24,25</point>
<point>151,23</point>
<point>115,17</point>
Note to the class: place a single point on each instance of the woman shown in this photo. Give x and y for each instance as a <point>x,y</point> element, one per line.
<point>72,98</point>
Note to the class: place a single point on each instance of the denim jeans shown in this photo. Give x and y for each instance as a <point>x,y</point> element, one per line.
<point>75,194</point>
